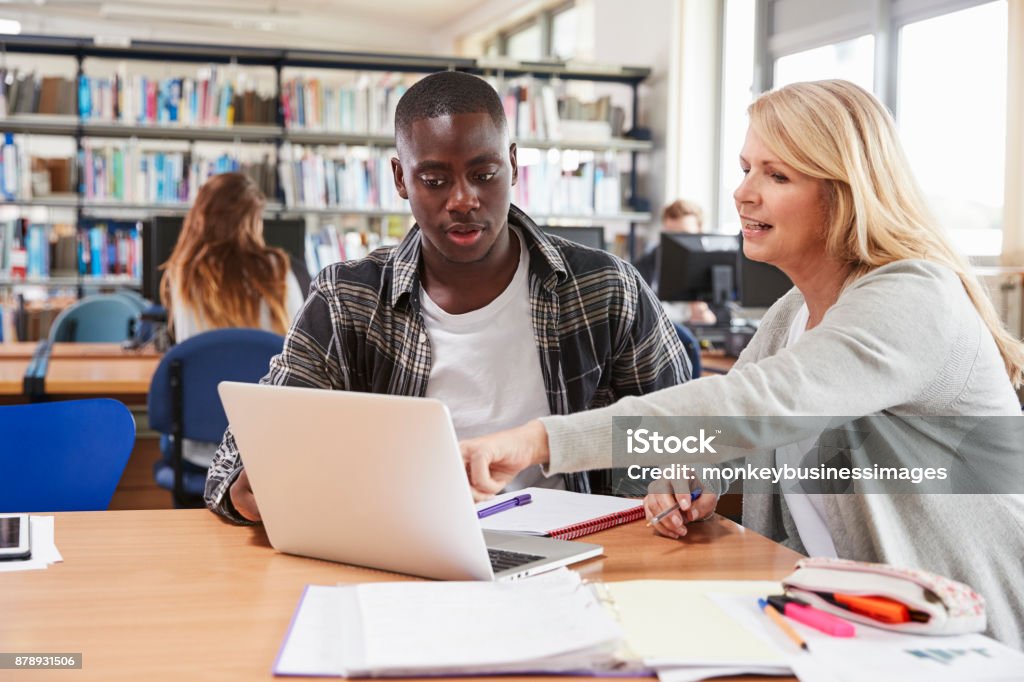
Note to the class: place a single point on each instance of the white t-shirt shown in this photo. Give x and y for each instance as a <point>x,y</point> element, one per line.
<point>807,510</point>
<point>485,365</point>
<point>188,323</point>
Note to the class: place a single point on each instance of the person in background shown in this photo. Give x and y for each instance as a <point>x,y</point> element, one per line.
<point>885,319</point>
<point>476,307</point>
<point>685,217</point>
<point>221,274</point>
<point>682,216</point>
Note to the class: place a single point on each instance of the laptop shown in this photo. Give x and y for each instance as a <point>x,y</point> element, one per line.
<point>376,481</point>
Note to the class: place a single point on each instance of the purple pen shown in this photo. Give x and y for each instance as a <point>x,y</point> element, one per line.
<point>517,501</point>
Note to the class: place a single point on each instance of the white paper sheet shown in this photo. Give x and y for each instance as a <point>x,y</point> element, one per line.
<point>44,549</point>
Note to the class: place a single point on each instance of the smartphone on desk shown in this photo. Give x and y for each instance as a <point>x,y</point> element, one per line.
<point>15,538</point>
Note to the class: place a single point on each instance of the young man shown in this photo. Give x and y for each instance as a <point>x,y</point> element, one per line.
<point>685,217</point>
<point>476,306</point>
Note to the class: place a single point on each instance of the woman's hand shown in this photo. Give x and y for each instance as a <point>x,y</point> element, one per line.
<point>663,496</point>
<point>494,460</point>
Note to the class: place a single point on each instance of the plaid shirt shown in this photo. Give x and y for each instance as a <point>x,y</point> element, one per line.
<point>600,332</point>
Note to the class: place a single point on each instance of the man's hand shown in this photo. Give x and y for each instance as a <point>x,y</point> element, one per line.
<point>494,460</point>
<point>243,499</point>
<point>664,496</point>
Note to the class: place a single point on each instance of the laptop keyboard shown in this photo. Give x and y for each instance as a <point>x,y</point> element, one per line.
<point>502,560</point>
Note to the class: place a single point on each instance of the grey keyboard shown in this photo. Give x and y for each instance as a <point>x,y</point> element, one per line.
<point>502,560</point>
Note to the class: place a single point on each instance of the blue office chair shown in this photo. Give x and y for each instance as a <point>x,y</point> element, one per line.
<point>183,400</point>
<point>692,346</point>
<point>63,456</point>
<point>133,297</point>
<point>101,318</point>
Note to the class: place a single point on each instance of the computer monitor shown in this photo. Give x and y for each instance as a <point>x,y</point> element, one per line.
<point>697,267</point>
<point>160,234</point>
<point>587,236</point>
<point>761,284</point>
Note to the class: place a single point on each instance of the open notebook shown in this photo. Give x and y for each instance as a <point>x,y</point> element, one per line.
<point>561,514</point>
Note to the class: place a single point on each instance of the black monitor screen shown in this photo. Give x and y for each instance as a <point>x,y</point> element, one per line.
<point>761,285</point>
<point>697,267</point>
<point>587,236</point>
<point>160,234</point>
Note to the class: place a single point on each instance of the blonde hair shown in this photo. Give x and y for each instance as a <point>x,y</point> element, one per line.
<point>836,131</point>
<point>221,266</point>
<point>680,208</point>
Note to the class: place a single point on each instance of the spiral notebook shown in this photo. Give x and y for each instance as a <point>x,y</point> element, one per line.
<point>561,514</point>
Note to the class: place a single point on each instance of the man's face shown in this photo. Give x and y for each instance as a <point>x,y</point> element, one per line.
<point>457,173</point>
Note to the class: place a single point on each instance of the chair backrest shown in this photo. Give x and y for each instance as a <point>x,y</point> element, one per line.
<point>205,360</point>
<point>63,456</point>
<point>107,318</point>
<point>692,346</point>
<point>133,297</point>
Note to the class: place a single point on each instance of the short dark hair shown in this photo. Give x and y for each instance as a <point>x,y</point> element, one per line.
<point>445,94</point>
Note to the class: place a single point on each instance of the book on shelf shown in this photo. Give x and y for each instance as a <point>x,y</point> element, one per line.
<point>343,177</point>
<point>569,182</point>
<point>30,250</point>
<point>214,97</point>
<point>364,103</point>
<point>561,514</point>
<point>110,248</point>
<point>124,171</point>
<point>326,246</point>
<point>541,110</point>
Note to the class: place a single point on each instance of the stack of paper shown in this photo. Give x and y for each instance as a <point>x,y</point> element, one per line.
<point>551,623</point>
<point>44,550</point>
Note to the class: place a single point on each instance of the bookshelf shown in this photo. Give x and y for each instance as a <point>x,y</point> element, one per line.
<point>296,117</point>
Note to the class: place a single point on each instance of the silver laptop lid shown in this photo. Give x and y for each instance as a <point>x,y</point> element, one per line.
<point>406,507</point>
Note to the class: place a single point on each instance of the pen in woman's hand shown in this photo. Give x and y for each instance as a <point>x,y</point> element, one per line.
<point>694,494</point>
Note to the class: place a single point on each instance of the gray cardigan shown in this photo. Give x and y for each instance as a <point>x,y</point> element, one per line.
<point>903,340</point>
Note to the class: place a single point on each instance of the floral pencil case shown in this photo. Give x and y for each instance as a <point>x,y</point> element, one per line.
<point>884,596</point>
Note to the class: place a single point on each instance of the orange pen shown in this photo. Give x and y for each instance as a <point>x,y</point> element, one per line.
<point>882,609</point>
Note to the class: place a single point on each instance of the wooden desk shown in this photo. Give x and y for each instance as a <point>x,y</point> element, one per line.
<point>12,375</point>
<point>716,362</point>
<point>80,370</point>
<point>17,349</point>
<point>107,351</point>
<point>180,595</point>
<point>100,376</point>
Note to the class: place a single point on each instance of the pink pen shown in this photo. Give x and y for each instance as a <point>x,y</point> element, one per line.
<point>810,616</point>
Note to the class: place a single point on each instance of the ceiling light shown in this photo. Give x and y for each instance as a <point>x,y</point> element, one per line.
<point>10,26</point>
<point>112,10</point>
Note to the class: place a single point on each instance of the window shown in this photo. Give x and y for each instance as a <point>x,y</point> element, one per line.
<point>563,34</point>
<point>549,34</point>
<point>942,69</point>
<point>852,60</point>
<point>526,43</point>
<point>737,94</point>
<point>951,111</point>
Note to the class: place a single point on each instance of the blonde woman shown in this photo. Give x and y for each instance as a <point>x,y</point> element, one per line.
<point>221,273</point>
<point>885,318</point>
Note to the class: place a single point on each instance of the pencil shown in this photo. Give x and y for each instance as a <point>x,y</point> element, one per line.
<point>777,618</point>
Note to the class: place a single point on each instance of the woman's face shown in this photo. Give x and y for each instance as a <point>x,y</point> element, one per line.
<point>782,211</point>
